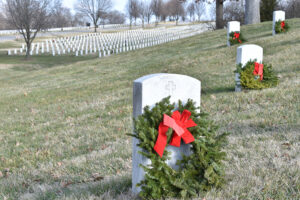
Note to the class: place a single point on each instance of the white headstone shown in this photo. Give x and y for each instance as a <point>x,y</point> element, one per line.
<point>245,53</point>
<point>233,26</point>
<point>149,90</point>
<point>277,15</point>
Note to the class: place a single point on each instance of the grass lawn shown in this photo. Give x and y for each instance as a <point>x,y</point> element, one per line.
<point>63,120</point>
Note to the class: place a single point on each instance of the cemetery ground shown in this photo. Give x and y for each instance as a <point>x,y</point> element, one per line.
<point>64,119</point>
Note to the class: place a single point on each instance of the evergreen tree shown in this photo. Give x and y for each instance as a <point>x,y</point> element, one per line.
<point>266,9</point>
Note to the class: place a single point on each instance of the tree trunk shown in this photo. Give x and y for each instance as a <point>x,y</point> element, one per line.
<point>252,13</point>
<point>130,22</point>
<point>219,14</point>
<point>28,44</point>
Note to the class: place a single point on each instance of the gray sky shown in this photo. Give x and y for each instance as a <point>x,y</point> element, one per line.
<point>117,4</point>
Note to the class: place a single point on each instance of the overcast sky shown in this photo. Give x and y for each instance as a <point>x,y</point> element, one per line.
<point>117,4</point>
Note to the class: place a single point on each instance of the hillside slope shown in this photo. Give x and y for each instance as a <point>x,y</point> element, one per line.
<point>63,120</point>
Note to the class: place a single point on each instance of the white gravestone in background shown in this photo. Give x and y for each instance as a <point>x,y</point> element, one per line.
<point>246,53</point>
<point>277,15</point>
<point>233,26</point>
<point>150,89</point>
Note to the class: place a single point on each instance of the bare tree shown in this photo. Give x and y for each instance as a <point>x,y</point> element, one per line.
<point>234,11</point>
<point>219,12</point>
<point>156,6</point>
<point>133,10</point>
<point>176,9</point>
<point>28,17</point>
<point>199,8</point>
<point>61,16</point>
<point>116,17</point>
<point>292,9</point>
<point>94,9</point>
<point>77,20</point>
<point>164,11</point>
<point>191,11</point>
<point>145,11</point>
<point>2,22</point>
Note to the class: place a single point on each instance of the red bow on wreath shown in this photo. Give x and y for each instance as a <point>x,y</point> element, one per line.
<point>282,25</point>
<point>179,123</point>
<point>237,36</point>
<point>258,70</point>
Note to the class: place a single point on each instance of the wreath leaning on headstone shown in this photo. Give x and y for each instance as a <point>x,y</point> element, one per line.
<point>200,171</point>
<point>281,27</point>
<point>236,38</point>
<point>257,76</point>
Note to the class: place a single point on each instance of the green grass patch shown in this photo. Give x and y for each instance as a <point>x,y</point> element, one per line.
<point>64,119</point>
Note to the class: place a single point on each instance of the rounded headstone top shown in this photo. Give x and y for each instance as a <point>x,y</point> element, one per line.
<point>150,77</point>
<point>249,52</point>
<point>234,22</point>
<point>278,11</point>
<point>250,46</point>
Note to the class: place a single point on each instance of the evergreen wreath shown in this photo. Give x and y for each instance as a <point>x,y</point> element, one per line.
<point>200,171</point>
<point>281,27</point>
<point>251,81</point>
<point>236,38</point>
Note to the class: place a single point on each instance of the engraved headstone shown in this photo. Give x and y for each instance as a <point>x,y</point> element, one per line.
<point>150,89</point>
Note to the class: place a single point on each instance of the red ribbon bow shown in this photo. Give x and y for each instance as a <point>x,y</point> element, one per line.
<point>179,123</point>
<point>258,70</point>
<point>237,36</point>
<point>282,25</point>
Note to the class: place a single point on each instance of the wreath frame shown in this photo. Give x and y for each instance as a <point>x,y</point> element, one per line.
<point>279,29</point>
<point>200,171</point>
<point>235,41</point>
<point>250,81</point>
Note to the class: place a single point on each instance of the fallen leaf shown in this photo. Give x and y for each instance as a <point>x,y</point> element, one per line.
<point>98,178</point>
<point>59,164</point>
<point>66,184</point>
<point>286,144</point>
<point>213,97</point>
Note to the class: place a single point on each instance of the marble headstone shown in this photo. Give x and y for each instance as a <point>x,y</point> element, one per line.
<point>246,53</point>
<point>233,26</point>
<point>149,90</point>
<point>277,15</point>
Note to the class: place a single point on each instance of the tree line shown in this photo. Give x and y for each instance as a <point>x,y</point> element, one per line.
<point>31,16</point>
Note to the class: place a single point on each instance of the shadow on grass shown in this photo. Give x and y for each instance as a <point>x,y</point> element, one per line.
<point>41,62</point>
<point>217,90</point>
<point>276,47</point>
<point>112,188</point>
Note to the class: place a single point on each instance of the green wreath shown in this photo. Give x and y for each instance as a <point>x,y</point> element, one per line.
<point>236,40</point>
<point>200,171</point>
<point>279,28</point>
<point>250,81</point>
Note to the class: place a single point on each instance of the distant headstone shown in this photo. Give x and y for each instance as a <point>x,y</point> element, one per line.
<point>245,53</point>
<point>233,26</point>
<point>277,15</point>
<point>150,89</point>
